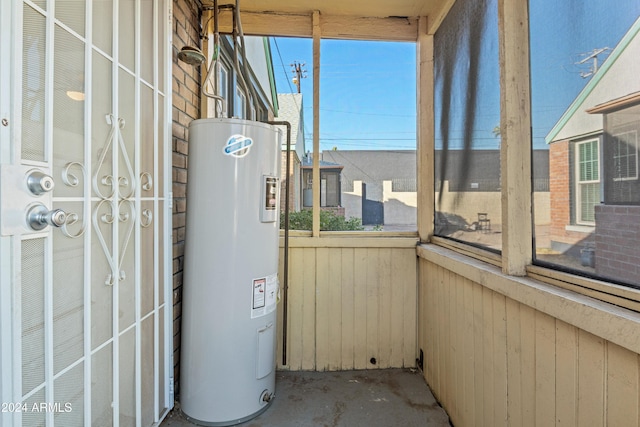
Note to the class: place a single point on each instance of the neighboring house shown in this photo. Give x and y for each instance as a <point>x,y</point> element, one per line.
<point>290,110</point>
<point>594,162</point>
<point>618,217</point>
<point>378,186</point>
<point>330,188</point>
<point>478,189</point>
<point>261,103</point>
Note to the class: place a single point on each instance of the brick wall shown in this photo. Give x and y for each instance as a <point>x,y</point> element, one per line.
<point>617,237</point>
<point>560,199</point>
<point>294,186</point>
<point>186,107</point>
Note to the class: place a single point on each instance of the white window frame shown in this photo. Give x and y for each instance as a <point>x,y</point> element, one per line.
<point>223,89</point>
<point>635,154</point>
<point>579,183</point>
<point>240,104</point>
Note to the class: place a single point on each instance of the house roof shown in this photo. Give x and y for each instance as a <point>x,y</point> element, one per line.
<point>371,166</point>
<point>375,166</point>
<point>307,163</point>
<point>290,110</point>
<point>605,85</point>
<point>616,104</point>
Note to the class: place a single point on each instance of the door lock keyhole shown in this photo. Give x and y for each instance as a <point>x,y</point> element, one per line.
<point>38,217</point>
<point>39,182</point>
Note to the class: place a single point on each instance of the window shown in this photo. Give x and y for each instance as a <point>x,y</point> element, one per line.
<point>330,188</point>
<point>223,87</point>
<point>625,156</point>
<point>467,118</point>
<point>587,181</point>
<point>367,133</point>
<point>240,104</point>
<point>585,112</point>
<point>620,151</point>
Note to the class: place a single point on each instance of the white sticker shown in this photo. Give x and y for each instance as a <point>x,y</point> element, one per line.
<point>259,290</point>
<point>264,295</point>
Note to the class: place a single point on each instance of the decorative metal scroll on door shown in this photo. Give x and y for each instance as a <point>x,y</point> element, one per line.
<point>117,203</point>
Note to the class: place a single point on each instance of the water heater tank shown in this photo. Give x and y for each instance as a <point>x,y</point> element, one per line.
<point>230,271</point>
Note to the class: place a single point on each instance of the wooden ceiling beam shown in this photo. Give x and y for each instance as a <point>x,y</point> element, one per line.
<point>331,26</point>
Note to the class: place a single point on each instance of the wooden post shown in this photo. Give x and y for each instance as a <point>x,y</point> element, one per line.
<point>515,128</point>
<point>426,131</point>
<point>316,124</point>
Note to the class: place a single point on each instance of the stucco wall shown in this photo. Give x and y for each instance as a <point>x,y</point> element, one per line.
<point>401,207</point>
<point>468,204</point>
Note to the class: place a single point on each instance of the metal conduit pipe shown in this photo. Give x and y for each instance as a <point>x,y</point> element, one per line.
<point>237,35</point>
<point>214,65</point>
<point>243,53</point>
<point>285,275</point>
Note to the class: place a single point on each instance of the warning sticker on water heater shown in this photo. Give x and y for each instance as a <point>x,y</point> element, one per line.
<point>264,295</point>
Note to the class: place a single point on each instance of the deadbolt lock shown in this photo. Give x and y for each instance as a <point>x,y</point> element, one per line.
<point>39,182</point>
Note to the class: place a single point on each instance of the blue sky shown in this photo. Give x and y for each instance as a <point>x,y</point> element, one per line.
<point>562,34</point>
<point>367,91</point>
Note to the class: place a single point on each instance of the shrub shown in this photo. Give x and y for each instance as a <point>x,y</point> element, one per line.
<point>329,221</point>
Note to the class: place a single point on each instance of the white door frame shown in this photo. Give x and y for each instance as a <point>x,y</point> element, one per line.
<point>10,268</point>
<point>8,48</point>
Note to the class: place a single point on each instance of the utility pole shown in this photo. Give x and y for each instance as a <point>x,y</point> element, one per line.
<point>299,73</point>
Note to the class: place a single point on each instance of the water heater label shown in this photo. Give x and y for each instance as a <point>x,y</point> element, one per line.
<point>237,146</point>
<point>269,210</point>
<point>264,295</point>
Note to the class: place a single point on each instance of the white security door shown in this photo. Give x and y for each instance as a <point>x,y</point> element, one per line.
<point>85,281</point>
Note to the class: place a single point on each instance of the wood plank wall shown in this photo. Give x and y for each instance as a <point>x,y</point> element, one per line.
<point>493,361</point>
<point>350,299</point>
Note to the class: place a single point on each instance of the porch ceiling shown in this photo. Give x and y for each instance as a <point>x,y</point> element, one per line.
<point>357,19</point>
<point>365,8</point>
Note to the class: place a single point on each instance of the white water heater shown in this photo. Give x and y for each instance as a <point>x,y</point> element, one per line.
<point>230,291</point>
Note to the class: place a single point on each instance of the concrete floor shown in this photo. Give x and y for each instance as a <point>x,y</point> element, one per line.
<point>389,398</point>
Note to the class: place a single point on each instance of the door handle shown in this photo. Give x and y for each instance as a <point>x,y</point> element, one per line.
<point>38,217</point>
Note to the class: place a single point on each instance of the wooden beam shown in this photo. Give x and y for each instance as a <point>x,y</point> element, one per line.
<point>358,240</point>
<point>367,28</point>
<point>269,23</point>
<point>426,131</point>
<point>435,21</point>
<point>316,124</point>
<point>515,132</point>
<point>331,27</point>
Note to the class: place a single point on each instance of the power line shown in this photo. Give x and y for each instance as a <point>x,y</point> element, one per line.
<point>275,42</point>
<point>367,139</point>
<point>367,114</point>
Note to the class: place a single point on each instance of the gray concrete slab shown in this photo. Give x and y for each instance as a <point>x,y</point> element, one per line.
<point>388,397</point>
